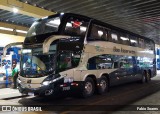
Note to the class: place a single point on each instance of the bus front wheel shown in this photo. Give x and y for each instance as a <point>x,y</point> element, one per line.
<point>103,85</point>
<point>89,87</point>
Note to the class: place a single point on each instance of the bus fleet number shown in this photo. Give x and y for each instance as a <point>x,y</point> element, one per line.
<point>66,88</point>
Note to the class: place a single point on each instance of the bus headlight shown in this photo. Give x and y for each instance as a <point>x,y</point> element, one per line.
<point>48,80</point>
<point>46,83</point>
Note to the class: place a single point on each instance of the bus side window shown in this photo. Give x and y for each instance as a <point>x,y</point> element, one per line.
<point>114,37</point>
<point>76,27</point>
<point>141,43</point>
<point>124,40</point>
<point>121,65</point>
<point>149,45</point>
<point>104,62</point>
<point>71,30</point>
<point>98,33</point>
<point>115,64</point>
<point>105,35</point>
<point>94,33</point>
<point>152,45</point>
<point>133,41</point>
<point>91,65</point>
<point>75,59</point>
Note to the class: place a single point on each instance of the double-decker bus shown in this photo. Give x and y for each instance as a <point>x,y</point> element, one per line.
<point>68,52</point>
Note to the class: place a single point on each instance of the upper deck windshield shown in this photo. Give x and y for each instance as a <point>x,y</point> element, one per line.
<point>44,26</point>
<point>36,64</point>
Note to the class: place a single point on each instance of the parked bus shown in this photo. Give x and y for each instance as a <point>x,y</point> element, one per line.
<point>66,53</point>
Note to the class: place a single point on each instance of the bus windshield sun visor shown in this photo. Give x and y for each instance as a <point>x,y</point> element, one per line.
<point>48,41</point>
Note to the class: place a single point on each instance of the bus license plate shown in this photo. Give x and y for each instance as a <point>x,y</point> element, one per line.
<point>66,88</point>
<point>31,94</point>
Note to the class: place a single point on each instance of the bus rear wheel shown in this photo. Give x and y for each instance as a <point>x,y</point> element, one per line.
<point>103,85</point>
<point>145,77</point>
<point>89,87</point>
<point>148,77</point>
<point>143,80</point>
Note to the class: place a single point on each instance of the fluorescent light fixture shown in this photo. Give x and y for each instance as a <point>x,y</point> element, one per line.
<point>21,31</point>
<point>15,10</point>
<point>4,28</point>
<point>100,33</point>
<point>83,28</point>
<point>10,29</point>
<point>123,38</point>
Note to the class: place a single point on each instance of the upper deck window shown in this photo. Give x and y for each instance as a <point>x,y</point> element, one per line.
<point>98,33</point>
<point>76,27</point>
<point>124,40</point>
<point>141,43</point>
<point>114,37</point>
<point>133,41</point>
<point>44,26</point>
<point>149,45</point>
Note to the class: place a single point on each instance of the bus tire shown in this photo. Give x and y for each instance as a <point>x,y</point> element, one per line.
<point>148,77</point>
<point>103,85</point>
<point>88,88</point>
<point>143,80</point>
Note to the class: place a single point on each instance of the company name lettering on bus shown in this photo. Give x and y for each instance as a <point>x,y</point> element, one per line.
<point>99,49</point>
<point>115,49</point>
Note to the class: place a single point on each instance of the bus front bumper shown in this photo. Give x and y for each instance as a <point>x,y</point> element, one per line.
<point>41,91</point>
<point>48,90</point>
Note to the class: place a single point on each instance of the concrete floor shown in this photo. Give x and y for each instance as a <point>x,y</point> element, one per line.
<point>135,94</point>
<point>151,101</point>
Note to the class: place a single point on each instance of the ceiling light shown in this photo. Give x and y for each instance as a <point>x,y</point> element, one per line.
<point>22,31</point>
<point>4,28</point>
<point>15,10</point>
<point>10,29</point>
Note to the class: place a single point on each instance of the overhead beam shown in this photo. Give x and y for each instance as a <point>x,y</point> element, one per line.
<point>14,27</point>
<point>24,8</point>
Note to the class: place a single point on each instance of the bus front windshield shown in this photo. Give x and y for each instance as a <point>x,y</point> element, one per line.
<point>36,64</point>
<point>44,26</point>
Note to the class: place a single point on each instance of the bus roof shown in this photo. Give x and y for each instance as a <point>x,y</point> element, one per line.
<point>106,24</point>
<point>102,23</point>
